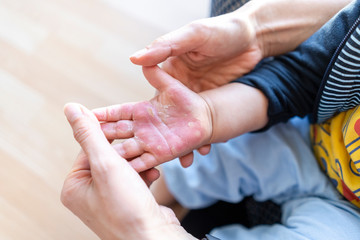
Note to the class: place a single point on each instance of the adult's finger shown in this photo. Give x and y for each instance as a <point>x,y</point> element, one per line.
<point>87,132</point>
<point>175,43</point>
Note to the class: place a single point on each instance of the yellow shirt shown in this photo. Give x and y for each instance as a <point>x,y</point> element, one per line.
<point>336,144</point>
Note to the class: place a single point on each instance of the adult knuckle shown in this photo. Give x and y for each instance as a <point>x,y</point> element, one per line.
<point>81,133</point>
<point>199,27</point>
<point>66,197</point>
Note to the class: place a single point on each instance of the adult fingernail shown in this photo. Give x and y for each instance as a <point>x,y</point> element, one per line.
<point>72,111</point>
<point>139,53</point>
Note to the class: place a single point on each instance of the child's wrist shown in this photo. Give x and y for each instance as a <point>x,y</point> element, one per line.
<point>210,112</point>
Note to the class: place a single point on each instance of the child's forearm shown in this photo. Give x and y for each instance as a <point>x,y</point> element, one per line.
<point>163,197</point>
<point>235,109</point>
<point>161,192</point>
<point>281,25</point>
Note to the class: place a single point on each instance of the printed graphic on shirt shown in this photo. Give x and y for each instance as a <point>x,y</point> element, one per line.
<point>336,144</point>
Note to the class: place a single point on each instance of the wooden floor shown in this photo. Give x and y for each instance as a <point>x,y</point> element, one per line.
<point>58,51</point>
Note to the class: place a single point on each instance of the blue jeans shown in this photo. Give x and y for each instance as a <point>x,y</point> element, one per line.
<point>275,165</point>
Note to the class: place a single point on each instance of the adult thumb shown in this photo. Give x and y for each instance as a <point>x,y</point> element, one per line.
<point>87,130</point>
<point>175,43</point>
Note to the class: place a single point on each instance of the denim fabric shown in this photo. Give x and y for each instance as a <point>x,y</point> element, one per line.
<point>275,165</point>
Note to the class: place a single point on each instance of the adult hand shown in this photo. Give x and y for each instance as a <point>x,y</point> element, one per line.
<point>170,125</point>
<point>210,52</point>
<point>206,53</point>
<point>107,194</point>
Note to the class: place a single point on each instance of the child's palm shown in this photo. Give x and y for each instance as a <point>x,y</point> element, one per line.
<point>170,125</point>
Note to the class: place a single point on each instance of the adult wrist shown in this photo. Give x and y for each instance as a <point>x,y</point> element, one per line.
<point>246,21</point>
<point>281,25</point>
<point>173,232</point>
<point>162,227</point>
<point>248,14</point>
<point>273,28</point>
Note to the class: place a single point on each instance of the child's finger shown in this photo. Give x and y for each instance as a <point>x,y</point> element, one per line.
<point>144,162</point>
<point>118,130</point>
<point>187,160</point>
<point>204,150</point>
<point>159,79</point>
<point>129,148</point>
<point>115,112</point>
<point>149,176</point>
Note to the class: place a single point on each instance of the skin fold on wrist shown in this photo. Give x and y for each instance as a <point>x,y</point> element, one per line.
<point>281,25</point>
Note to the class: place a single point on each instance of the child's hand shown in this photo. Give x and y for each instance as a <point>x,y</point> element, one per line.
<point>172,124</point>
